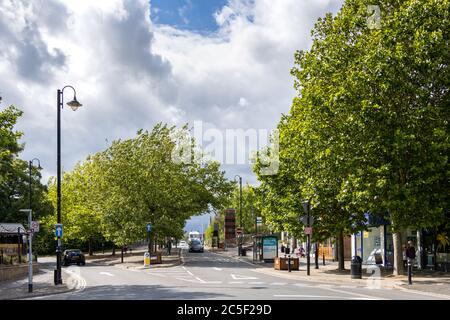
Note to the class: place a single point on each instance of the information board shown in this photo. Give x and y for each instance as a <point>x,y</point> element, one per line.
<point>270,247</point>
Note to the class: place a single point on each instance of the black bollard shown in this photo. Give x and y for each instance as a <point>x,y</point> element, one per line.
<point>409,272</point>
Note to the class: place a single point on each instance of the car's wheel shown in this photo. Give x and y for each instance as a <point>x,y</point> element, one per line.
<point>78,263</point>
<point>83,263</point>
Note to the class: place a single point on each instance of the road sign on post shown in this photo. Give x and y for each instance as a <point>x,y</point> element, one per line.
<point>59,230</point>
<point>149,227</point>
<point>34,226</point>
<point>304,220</point>
<point>308,230</point>
<point>259,221</point>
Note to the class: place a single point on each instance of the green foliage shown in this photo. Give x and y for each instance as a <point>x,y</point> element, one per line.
<point>115,193</point>
<point>369,129</point>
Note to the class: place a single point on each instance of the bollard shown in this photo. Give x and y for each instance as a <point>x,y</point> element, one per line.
<point>147,259</point>
<point>289,263</point>
<point>409,272</point>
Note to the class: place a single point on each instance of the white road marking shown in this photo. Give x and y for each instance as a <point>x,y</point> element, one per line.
<point>278,283</point>
<point>218,269</point>
<point>190,273</point>
<point>202,281</point>
<point>107,274</point>
<point>157,274</point>
<point>258,282</point>
<point>354,293</point>
<point>302,285</point>
<point>325,285</point>
<point>238,277</point>
<point>235,282</point>
<point>188,280</point>
<point>213,282</point>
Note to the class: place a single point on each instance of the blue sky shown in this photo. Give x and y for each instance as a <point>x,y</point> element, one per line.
<point>194,15</point>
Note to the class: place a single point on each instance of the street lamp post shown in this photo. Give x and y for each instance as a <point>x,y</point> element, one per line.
<point>74,104</point>
<point>240,211</point>
<point>30,252</point>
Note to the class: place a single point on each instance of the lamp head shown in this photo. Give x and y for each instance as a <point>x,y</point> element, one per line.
<point>74,104</point>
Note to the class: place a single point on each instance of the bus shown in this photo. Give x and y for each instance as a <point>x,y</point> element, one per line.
<point>195,235</point>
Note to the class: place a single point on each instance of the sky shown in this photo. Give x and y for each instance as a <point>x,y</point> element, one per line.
<point>222,63</point>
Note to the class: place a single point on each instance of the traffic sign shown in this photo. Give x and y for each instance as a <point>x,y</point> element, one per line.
<point>304,220</point>
<point>59,230</point>
<point>149,227</point>
<point>35,226</point>
<point>258,221</point>
<point>308,230</point>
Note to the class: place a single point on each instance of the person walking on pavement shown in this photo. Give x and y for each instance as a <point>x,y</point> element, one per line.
<point>410,253</point>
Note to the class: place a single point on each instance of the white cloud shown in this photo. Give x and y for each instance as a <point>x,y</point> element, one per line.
<point>130,74</point>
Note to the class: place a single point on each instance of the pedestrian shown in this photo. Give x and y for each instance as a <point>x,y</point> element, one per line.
<point>410,253</point>
<point>282,248</point>
<point>404,256</point>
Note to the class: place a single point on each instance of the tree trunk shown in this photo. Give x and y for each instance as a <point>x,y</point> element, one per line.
<point>340,248</point>
<point>90,247</point>
<point>398,254</point>
<point>114,249</point>
<point>293,244</point>
<point>121,258</point>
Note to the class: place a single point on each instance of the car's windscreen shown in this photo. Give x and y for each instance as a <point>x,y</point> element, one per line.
<point>196,242</point>
<point>74,251</point>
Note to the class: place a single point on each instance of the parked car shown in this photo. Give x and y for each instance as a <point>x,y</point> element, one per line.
<point>195,246</point>
<point>73,256</point>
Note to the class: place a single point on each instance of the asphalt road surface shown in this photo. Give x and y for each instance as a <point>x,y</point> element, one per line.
<point>204,276</point>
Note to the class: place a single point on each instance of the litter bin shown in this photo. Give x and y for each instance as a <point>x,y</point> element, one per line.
<point>356,267</point>
<point>243,252</point>
<point>146,259</point>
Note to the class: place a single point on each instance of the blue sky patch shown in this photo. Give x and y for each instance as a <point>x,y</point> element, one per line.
<point>193,15</point>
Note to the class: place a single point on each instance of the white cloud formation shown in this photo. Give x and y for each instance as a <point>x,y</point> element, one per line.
<point>131,74</point>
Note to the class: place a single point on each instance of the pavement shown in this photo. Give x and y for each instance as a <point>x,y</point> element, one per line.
<point>209,276</point>
<point>434,283</point>
<point>43,281</point>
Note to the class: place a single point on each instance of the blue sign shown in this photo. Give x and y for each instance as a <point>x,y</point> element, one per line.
<point>149,227</point>
<point>58,230</point>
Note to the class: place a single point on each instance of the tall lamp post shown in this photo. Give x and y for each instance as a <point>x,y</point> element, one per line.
<point>240,211</point>
<point>74,104</point>
<point>30,251</point>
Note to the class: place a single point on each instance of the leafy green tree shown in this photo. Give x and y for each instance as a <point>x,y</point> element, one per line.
<point>369,130</point>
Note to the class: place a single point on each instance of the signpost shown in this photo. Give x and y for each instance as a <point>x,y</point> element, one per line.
<point>34,226</point>
<point>58,230</point>
<point>308,230</point>
<point>259,221</point>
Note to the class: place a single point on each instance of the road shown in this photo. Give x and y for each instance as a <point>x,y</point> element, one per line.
<point>205,276</point>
